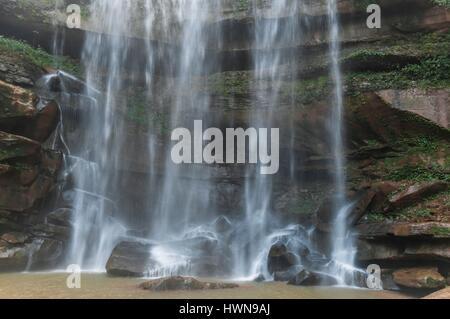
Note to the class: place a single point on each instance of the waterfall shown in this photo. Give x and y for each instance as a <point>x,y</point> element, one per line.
<point>276,26</point>
<point>153,54</point>
<point>342,246</point>
<point>182,208</point>
<point>96,183</point>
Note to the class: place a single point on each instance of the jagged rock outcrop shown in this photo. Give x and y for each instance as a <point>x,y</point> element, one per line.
<point>431,104</point>
<point>28,170</point>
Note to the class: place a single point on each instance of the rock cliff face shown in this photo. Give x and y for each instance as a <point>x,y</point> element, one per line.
<point>28,170</point>
<point>397,107</point>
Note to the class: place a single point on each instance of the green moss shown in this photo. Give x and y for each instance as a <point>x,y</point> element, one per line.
<point>411,213</point>
<point>37,56</point>
<point>441,231</point>
<point>442,3</point>
<point>418,174</point>
<point>375,217</point>
<point>230,84</point>
<point>420,60</point>
<point>139,111</point>
<point>242,5</point>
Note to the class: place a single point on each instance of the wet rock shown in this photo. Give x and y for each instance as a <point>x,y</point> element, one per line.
<point>310,278</point>
<point>41,127</point>
<point>183,283</point>
<point>61,217</point>
<point>222,225</point>
<point>325,217</point>
<point>288,274</point>
<point>130,259</point>
<point>315,259</point>
<point>14,258</point>
<point>14,238</point>
<point>23,113</point>
<point>420,278</point>
<point>280,259</point>
<point>259,278</point>
<point>416,193</point>
<point>48,253</point>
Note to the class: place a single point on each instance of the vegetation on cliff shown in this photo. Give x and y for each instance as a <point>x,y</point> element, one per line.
<point>21,50</point>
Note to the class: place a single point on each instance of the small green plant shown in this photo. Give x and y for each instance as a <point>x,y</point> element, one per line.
<point>417,173</point>
<point>434,69</point>
<point>38,56</point>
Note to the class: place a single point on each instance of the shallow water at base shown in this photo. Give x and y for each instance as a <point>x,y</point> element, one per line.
<point>101,286</point>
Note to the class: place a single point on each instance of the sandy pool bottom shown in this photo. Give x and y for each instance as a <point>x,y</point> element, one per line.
<point>101,286</point>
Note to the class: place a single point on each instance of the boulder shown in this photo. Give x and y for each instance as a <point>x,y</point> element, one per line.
<point>311,278</point>
<point>416,193</point>
<point>14,238</point>
<point>419,278</point>
<point>48,253</point>
<point>183,283</point>
<point>130,259</point>
<point>206,254</point>
<point>280,259</point>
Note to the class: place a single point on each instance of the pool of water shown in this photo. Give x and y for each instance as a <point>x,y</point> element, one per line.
<point>101,286</point>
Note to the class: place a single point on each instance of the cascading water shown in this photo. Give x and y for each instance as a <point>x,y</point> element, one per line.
<point>96,232</point>
<point>182,210</point>
<point>342,246</point>
<point>270,33</point>
<point>185,226</point>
